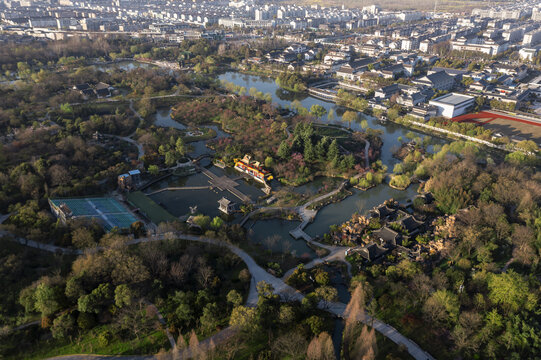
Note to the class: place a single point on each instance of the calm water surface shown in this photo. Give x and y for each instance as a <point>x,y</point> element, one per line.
<point>162,118</point>
<point>274,234</point>
<point>178,202</point>
<point>391,131</point>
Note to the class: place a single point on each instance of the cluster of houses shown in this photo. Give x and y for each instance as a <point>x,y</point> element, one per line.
<point>495,81</point>
<point>100,90</point>
<point>397,227</point>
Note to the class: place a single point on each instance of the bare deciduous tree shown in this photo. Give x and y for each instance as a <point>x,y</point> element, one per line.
<point>321,348</point>
<point>355,313</point>
<point>271,241</point>
<point>178,273</point>
<point>290,345</point>
<point>365,347</point>
<point>205,275</point>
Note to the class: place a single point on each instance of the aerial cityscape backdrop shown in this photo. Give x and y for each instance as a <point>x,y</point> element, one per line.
<point>270,180</point>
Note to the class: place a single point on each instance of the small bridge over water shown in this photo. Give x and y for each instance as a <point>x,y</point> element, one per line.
<point>323,94</point>
<point>324,84</point>
<point>201,157</point>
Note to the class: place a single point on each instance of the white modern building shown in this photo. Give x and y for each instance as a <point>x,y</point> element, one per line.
<point>453,104</point>
<point>527,53</point>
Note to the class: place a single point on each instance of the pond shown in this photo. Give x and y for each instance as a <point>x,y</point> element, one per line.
<point>274,235</point>
<point>162,118</point>
<point>200,147</point>
<point>360,201</point>
<point>179,202</point>
<point>391,131</point>
<point>320,183</point>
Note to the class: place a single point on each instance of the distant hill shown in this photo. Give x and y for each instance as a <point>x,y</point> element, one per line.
<point>443,5</point>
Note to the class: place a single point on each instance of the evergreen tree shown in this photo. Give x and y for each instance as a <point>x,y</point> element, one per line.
<point>309,153</point>
<point>333,152</point>
<point>283,150</point>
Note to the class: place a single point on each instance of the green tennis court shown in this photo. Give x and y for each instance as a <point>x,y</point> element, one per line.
<point>108,211</point>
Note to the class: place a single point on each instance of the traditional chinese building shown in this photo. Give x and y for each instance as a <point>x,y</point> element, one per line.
<point>226,206</point>
<point>253,168</point>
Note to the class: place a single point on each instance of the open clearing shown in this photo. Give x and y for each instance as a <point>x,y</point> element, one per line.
<point>149,208</point>
<point>514,128</point>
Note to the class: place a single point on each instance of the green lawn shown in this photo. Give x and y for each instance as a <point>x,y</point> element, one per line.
<point>331,131</point>
<point>89,343</point>
<point>148,207</point>
<point>207,133</point>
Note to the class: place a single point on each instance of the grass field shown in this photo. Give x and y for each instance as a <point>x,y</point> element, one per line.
<point>90,343</point>
<point>149,208</point>
<point>331,131</point>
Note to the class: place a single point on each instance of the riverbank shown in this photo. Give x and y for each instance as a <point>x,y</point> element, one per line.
<point>417,126</point>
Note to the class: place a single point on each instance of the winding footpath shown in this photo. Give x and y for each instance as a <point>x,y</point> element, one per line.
<point>162,321</point>
<point>286,292</point>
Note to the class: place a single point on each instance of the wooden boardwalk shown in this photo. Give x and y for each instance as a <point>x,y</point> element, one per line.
<point>225,183</point>
<point>180,188</point>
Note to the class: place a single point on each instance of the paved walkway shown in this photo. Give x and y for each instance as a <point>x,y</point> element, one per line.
<point>41,246</point>
<point>140,149</point>
<point>174,188</point>
<point>308,215</point>
<point>337,254</point>
<point>24,326</point>
<point>506,266</point>
<point>4,218</point>
<point>286,292</point>
<point>164,324</point>
<point>386,330</point>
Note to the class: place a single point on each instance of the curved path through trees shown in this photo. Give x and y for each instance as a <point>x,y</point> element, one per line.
<point>286,292</point>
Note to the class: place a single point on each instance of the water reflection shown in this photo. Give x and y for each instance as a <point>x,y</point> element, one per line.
<point>391,131</point>
<point>163,118</point>
<point>360,201</point>
<point>274,235</point>
<point>336,213</point>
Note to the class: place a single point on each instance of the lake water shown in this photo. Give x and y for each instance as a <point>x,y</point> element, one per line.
<point>391,131</point>
<point>360,201</point>
<point>162,118</point>
<point>320,184</point>
<point>178,202</point>
<point>274,234</point>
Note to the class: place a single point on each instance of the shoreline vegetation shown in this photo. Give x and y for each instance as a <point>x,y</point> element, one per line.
<point>454,270</point>
<point>351,101</point>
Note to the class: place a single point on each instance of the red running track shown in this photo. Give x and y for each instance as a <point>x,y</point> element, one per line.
<point>490,116</point>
